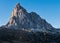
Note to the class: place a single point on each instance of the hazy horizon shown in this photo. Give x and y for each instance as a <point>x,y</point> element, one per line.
<point>47,9</point>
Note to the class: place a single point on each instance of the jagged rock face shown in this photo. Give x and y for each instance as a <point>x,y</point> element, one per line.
<point>22,19</point>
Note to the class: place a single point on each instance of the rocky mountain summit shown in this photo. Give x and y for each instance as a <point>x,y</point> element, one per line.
<point>21,19</point>
<point>24,27</point>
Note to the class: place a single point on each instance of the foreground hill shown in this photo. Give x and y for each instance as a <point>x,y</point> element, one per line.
<point>22,36</point>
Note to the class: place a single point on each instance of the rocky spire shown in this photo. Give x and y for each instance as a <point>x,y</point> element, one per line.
<point>18,9</point>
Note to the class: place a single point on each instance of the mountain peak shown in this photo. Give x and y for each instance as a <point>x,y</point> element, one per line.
<point>18,6</point>
<point>18,10</point>
<point>22,19</point>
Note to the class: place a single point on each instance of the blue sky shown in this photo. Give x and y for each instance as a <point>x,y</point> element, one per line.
<point>47,9</point>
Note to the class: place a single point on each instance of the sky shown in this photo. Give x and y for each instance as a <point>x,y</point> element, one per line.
<point>47,9</point>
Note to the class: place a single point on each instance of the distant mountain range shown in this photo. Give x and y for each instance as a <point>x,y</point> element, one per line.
<point>30,27</point>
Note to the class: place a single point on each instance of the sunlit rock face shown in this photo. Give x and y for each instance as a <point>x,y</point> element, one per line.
<point>20,18</point>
